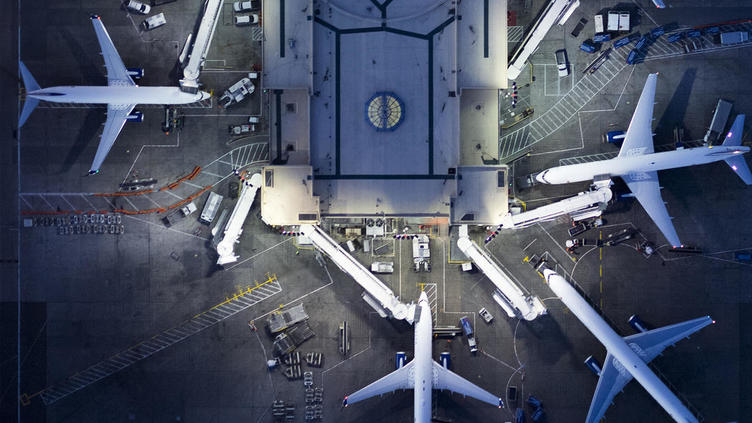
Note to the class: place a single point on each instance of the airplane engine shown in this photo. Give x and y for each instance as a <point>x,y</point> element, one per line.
<point>135,116</point>
<point>399,359</point>
<point>446,360</point>
<point>135,73</point>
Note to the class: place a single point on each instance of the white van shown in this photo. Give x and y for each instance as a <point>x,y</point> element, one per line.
<point>153,22</point>
<point>211,207</point>
<point>137,6</point>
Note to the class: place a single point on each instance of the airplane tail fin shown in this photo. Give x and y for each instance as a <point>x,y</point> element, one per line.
<point>737,163</point>
<point>31,85</point>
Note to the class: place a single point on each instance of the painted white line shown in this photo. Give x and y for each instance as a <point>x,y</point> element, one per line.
<point>528,245</point>
<point>258,254</point>
<point>164,227</point>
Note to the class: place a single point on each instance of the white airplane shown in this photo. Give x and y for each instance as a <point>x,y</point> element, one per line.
<point>121,94</point>
<point>637,163</point>
<point>423,374</point>
<point>627,357</point>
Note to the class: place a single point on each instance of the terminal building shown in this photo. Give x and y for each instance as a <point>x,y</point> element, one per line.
<point>384,111</point>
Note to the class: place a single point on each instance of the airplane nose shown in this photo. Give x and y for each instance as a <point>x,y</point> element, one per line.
<point>205,95</point>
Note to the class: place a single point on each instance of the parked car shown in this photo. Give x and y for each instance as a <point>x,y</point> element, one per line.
<point>245,6</point>
<point>153,22</point>
<point>245,20</point>
<point>137,6</point>
<point>562,62</point>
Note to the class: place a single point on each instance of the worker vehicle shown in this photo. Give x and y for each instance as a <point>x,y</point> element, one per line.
<point>245,6</point>
<point>240,129</point>
<point>153,22</point>
<point>137,6</point>
<point>238,91</point>
<point>626,40</point>
<point>736,37</point>
<point>588,46</point>
<point>598,20</point>
<point>562,62</point>
<point>487,317</point>
<point>601,38</point>
<point>246,20</point>
<point>382,267</point>
<point>211,208</point>
<point>718,123</point>
<point>468,329</point>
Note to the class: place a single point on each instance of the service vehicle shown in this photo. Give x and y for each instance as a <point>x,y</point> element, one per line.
<point>626,40</point>
<point>382,267</point>
<point>736,37</point>
<point>188,209</point>
<point>598,20</point>
<point>240,129</point>
<point>211,208</point>
<point>643,42</point>
<point>245,6</point>
<point>718,123</point>
<point>246,20</point>
<point>153,22</point>
<point>562,62</point>
<point>468,329</point>
<point>487,317</point>
<point>613,21</point>
<point>137,6</point>
<point>675,37</point>
<point>421,253</point>
<point>588,46</point>
<point>238,91</point>
<point>601,38</point>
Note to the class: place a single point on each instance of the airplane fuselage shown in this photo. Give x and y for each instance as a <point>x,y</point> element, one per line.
<point>423,363</point>
<point>115,94</point>
<point>625,354</point>
<point>626,165</point>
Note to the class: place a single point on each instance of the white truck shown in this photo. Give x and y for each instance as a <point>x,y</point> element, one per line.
<point>382,267</point>
<point>238,91</point>
<point>211,208</point>
<point>421,253</point>
<point>153,22</point>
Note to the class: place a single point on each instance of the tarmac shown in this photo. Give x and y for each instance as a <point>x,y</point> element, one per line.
<point>85,298</point>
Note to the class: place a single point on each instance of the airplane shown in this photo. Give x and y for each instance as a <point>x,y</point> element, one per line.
<point>627,357</point>
<point>637,163</point>
<point>121,94</point>
<point>423,374</point>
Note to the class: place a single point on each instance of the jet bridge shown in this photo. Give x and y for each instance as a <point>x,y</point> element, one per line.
<point>508,295</point>
<point>376,294</point>
<point>201,43</point>
<point>582,206</point>
<point>235,225</point>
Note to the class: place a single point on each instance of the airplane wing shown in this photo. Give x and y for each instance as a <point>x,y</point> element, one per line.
<point>444,378</point>
<point>639,137</point>
<point>401,378</point>
<point>650,344</point>
<point>644,186</point>
<point>117,74</point>
<point>116,117</point>
<point>612,380</point>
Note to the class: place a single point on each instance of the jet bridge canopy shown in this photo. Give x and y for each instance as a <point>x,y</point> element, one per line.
<point>512,297</point>
<point>378,295</point>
